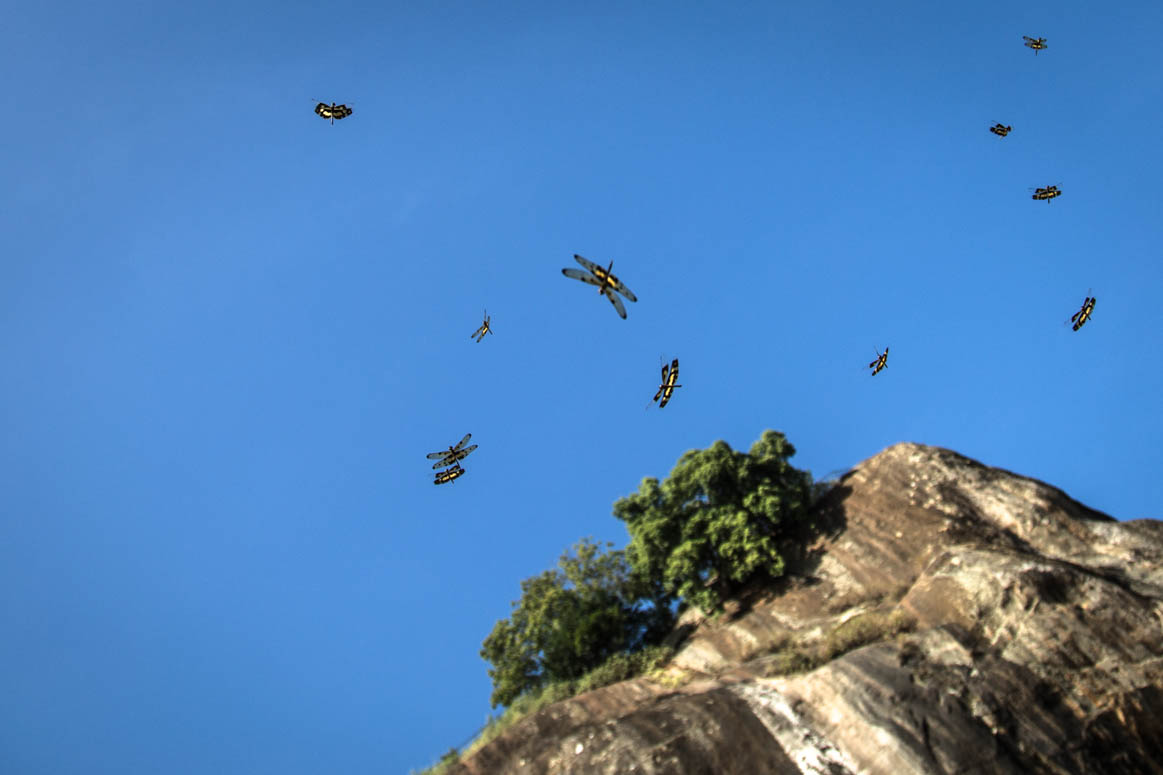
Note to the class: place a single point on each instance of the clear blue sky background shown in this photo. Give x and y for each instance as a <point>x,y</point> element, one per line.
<point>230,331</point>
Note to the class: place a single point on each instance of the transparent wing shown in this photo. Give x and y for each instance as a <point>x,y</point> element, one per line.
<point>613,297</point>
<point>463,441</point>
<point>453,457</point>
<point>590,265</point>
<point>441,456</point>
<point>585,277</point>
<point>621,288</point>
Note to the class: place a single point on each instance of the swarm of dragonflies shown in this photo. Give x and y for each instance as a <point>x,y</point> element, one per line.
<point>1080,317</point>
<point>449,459</point>
<point>1035,43</point>
<point>486,328</point>
<point>608,285</point>
<point>669,380</point>
<point>1047,193</point>
<point>332,111</point>
<point>614,289</point>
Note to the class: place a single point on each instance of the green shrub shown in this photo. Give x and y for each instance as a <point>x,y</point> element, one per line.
<point>571,620</point>
<point>719,521</point>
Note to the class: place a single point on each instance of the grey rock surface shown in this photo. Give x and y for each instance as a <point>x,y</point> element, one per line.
<point>1037,646</point>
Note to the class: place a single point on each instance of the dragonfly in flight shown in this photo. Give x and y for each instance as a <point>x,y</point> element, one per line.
<point>669,378</point>
<point>1037,44</point>
<point>453,454</point>
<point>1080,317</point>
<point>880,362</point>
<point>486,328</point>
<point>1001,130</point>
<point>451,475</point>
<point>1047,193</point>
<point>332,111</point>
<point>608,285</point>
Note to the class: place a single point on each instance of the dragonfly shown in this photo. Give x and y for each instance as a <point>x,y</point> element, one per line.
<point>880,362</point>
<point>332,111</point>
<point>669,378</point>
<point>1080,317</point>
<point>454,453</point>
<point>485,328</point>
<point>1035,43</point>
<point>1001,130</point>
<point>451,475</point>
<point>608,285</point>
<point>1047,193</point>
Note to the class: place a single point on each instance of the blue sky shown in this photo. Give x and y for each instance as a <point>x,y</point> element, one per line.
<point>231,331</point>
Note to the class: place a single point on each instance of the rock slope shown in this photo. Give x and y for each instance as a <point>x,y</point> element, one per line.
<point>1034,645</point>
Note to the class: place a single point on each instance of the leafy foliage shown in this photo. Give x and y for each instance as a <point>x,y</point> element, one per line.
<point>719,520</point>
<point>572,619</point>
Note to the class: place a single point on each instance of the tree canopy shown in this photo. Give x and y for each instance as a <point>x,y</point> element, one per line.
<point>719,520</point>
<point>570,619</point>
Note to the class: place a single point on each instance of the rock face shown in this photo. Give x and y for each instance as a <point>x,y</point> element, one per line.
<point>1036,646</point>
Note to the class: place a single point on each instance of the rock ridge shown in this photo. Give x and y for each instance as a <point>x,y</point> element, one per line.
<point>1033,644</point>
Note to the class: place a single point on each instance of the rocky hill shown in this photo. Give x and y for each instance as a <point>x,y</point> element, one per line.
<point>955,618</point>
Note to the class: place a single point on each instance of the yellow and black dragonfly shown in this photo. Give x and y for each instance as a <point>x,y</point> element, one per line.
<point>332,111</point>
<point>880,362</point>
<point>1080,317</point>
<point>453,454</point>
<point>669,383</point>
<point>486,328</point>
<point>1047,193</point>
<point>608,285</point>
<point>1001,130</point>
<point>1035,43</point>
<point>451,475</point>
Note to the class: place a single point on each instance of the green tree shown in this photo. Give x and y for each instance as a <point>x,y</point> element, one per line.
<point>570,619</point>
<point>719,521</point>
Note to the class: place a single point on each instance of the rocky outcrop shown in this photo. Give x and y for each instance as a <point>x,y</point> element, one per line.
<point>1035,644</point>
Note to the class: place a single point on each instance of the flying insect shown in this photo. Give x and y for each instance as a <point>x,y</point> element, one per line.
<point>332,111</point>
<point>608,285</point>
<point>454,453</point>
<point>880,362</point>
<point>1047,193</point>
<point>1080,317</point>
<point>1035,43</point>
<point>451,475</point>
<point>669,378</point>
<point>1000,130</point>
<point>486,328</point>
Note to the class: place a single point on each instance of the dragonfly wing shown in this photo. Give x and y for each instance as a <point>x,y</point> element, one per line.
<point>585,277</point>
<point>464,452</point>
<point>447,460</point>
<point>617,302</point>
<point>463,441</point>
<point>621,288</point>
<point>666,396</point>
<point>590,265</point>
<point>439,455</point>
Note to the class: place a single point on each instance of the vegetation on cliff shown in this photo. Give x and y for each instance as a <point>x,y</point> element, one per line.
<point>722,520</point>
